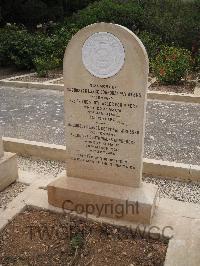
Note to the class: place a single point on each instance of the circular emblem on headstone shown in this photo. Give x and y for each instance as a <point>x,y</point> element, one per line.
<point>103,54</point>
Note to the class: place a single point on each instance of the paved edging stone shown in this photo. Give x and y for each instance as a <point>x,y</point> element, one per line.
<point>173,97</point>
<point>151,95</point>
<point>57,152</point>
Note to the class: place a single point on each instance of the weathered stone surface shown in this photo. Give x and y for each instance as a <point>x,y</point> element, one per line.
<point>103,200</point>
<point>105,77</point>
<point>8,170</point>
<point>105,116</point>
<point>1,147</point>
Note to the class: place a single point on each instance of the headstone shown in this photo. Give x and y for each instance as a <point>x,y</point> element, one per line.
<point>105,78</point>
<point>105,94</point>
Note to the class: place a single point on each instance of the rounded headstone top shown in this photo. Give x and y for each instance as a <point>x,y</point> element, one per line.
<point>103,54</point>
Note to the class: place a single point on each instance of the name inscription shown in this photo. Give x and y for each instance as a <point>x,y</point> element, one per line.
<point>105,133</point>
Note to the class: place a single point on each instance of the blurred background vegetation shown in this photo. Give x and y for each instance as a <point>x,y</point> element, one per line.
<point>35,33</point>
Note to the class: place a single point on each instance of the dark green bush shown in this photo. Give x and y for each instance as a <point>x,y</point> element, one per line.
<point>197,61</point>
<point>172,64</point>
<point>157,22</point>
<point>44,64</point>
<point>19,47</point>
<point>126,13</point>
<point>61,39</point>
<point>152,42</point>
<point>71,6</point>
<point>176,22</point>
<point>25,50</point>
<point>33,12</point>
<point>15,47</point>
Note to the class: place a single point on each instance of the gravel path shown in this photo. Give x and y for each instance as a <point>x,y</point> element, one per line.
<point>182,191</point>
<point>8,194</point>
<point>172,129</point>
<point>177,190</point>
<point>52,168</point>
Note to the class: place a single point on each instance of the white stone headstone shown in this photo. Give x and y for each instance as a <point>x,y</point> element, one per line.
<point>105,78</point>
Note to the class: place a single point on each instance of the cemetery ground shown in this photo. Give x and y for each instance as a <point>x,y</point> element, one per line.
<point>172,131</point>
<point>100,160</point>
<point>48,238</point>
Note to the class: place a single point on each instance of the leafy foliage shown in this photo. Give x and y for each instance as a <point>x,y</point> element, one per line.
<point>77,241</point>
<point>32,12</point>
<point>19,47</point>
<point>197,61</point>
<point>172,64</point>
<point>158,23</point>
<point>126,13</point>
<point>152,42</point>
<point>44,64</point>
<point>177,22</point>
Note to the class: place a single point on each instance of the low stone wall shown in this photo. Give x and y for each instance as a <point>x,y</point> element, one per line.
<point>152,167</point>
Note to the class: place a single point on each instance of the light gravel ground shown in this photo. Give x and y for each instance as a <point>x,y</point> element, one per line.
<point>172,129</point>
<point>52,168</point>
<point>8,194</point>
<point>177,190</point>
<point>37,166</point>
<point>173,132</point>
<point>182,191</point>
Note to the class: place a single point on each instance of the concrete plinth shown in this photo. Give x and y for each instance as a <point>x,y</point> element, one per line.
<point>8,170</point>
<point>102,199</point>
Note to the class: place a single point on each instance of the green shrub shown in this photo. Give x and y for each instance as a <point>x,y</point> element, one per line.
<point>61,38</point>
<point>176,22</point>
<point>126,13</point>
<point>15,47</point>
<point>20,48</point>
<point>170,22</point>
<point>197,61</point>
<point>76,242</point>
<point>152,42</point>
<point>71,6</point>
<point>172,64</point>
<point>28,50</point>
<point>44,64</point>
<point>32,12</point>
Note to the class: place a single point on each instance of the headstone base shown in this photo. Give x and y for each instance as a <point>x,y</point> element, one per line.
<point>102,199</point>
<point>8,170</point>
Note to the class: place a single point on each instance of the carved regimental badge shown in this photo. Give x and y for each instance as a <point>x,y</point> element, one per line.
<point>103,55</point>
